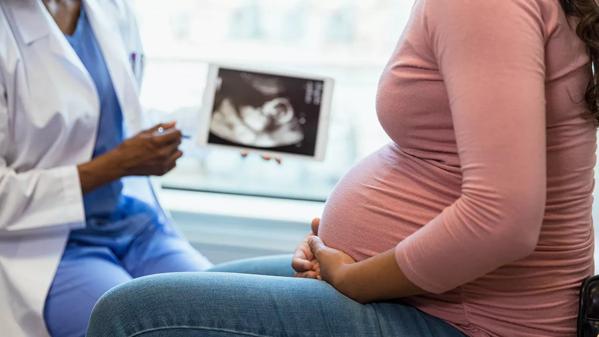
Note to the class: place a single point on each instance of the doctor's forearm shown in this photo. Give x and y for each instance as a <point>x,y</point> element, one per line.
<point>98,172</point>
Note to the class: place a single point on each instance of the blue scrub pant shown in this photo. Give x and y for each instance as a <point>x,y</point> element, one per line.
<point>226,304</point>
<point>90,268</point>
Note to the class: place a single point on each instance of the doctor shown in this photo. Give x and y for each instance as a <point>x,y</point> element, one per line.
<point>72,225</point>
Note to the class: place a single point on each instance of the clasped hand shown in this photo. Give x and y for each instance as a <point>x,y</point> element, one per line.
<point>313,259</point>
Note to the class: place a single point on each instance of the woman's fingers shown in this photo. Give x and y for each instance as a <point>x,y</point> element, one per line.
<point>301,265</point>
<point>316,246</point>
<point>315,225</point>
<point>302,260</point>
<point>309,274</point>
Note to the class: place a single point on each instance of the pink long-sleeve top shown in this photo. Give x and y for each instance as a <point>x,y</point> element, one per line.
<point>485,192</point>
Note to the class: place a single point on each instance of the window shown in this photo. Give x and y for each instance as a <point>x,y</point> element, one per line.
<point>349,40</point>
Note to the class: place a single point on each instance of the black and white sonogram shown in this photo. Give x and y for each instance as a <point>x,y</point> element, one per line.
<point>275,113</point>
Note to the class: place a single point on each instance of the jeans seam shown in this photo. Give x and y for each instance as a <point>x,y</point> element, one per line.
<point>378,319</point>
<point>139,333</point>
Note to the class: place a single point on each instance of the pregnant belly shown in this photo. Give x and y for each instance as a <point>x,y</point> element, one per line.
<point>383,199</point>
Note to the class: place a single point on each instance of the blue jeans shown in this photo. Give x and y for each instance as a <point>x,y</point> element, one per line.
<point>225,304</point>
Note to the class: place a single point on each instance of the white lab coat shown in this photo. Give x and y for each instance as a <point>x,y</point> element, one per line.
<point>49,112</point>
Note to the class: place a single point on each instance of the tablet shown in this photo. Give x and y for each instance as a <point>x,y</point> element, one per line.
<point>273,113</point>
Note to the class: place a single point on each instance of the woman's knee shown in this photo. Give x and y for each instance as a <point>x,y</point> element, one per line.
<point>107,316</point>
<point>164,300</point>
<point>205,301</point>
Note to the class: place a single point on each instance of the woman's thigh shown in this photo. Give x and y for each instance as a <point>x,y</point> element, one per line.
<point>275,265</point>
<point>226,304</point>
<point>83,276</point>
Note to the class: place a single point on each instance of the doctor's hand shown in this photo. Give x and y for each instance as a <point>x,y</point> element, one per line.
<point>151,152</point>
<point>304,262</point>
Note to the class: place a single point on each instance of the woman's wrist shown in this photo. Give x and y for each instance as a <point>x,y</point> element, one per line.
<point>375,279</point>
<point>347,282</point>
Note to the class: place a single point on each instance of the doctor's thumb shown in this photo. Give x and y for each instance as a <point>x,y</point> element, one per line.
<point>159,128</point>
<point>168,125</point>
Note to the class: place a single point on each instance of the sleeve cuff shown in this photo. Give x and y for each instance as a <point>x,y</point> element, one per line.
<point>74,211</point>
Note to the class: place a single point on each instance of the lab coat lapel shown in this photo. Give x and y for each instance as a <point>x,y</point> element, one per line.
<point>117,61</point>
<point>32,23</point>
<point>35,24</point>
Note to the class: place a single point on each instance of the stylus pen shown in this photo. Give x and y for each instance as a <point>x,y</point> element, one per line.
<point>161,131</point>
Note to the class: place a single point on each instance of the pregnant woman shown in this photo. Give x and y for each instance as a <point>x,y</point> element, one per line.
<point>474,221</point>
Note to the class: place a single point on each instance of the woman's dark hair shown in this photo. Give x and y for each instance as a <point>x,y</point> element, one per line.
<point>587,11</point>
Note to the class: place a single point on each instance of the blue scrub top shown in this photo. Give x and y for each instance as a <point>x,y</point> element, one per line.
<point>106,208</point>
